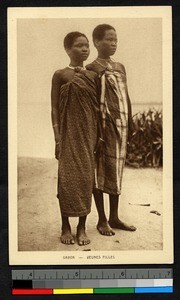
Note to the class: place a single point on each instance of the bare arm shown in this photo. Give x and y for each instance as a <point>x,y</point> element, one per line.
<point>130,120</point>
<point>54,104</point>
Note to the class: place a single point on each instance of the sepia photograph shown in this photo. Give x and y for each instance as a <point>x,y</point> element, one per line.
<point>90,135</point>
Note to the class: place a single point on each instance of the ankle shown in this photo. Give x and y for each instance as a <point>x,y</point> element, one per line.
<point>66,227</point>
<point>102,219</point>
<point>81,226</point>
<point>113,217</point>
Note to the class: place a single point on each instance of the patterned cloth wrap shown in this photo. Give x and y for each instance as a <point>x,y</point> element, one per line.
<point>114,130</point>
<point>78,114</point>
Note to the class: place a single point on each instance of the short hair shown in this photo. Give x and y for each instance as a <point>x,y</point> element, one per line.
<point>71,37</point>
<point>99,31</point>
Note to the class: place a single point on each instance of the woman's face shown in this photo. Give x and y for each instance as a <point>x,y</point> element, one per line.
<point>79,51</point>
<point>107,46</point>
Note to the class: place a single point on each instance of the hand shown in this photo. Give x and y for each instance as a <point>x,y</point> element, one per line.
<point>131,125</point>
<point>99,147</point>
<point>57,151</point>
<point>131,130</point>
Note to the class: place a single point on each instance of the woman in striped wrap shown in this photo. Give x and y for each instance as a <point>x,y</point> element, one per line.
<point>115,126</point>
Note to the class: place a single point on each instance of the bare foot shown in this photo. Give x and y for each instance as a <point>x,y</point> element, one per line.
<point>82,237</point>
<point>105,229</point>
<point>66,237</point>
<point>116,223</point>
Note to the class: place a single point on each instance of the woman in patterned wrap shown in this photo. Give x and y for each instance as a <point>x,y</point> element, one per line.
<point>74,113</point>
<point>116,125</point>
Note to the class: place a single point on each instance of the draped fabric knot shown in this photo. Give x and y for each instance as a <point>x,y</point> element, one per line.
<point>79,69</point>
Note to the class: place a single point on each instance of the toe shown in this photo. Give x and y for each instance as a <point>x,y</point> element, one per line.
<point>112,232</point>
<point>104,232</point>
<point>133,228</point>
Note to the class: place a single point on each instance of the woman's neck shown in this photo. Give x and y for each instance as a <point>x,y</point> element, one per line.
<point>101,57</point>
<point>104,62</point>
<point>76,64</point>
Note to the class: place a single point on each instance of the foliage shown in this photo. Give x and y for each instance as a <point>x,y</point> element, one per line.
<point>146,146</point>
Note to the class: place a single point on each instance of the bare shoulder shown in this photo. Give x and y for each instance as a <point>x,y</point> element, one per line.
<point>121,67</point>
<point>89,66</point>
<point>58,75</point>
<point>94,67</point>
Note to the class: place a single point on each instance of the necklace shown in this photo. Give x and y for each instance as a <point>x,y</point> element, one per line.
<point>104,59</point>
<point>79,67</point>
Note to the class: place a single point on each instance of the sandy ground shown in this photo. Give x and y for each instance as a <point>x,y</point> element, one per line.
<point>39,216</point>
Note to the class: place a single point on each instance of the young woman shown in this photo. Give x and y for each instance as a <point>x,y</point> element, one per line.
<point>74,119</point>
<point>116,124</point>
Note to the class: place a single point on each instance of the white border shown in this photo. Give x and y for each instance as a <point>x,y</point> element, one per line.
<point>121,257</point>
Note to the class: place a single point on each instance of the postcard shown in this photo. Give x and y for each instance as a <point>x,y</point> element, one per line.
<point>82,191</point>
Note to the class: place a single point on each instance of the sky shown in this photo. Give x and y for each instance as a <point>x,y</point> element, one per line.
<point>40,53</point>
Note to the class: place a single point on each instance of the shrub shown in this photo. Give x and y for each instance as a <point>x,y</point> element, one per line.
<point>145,146</point>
